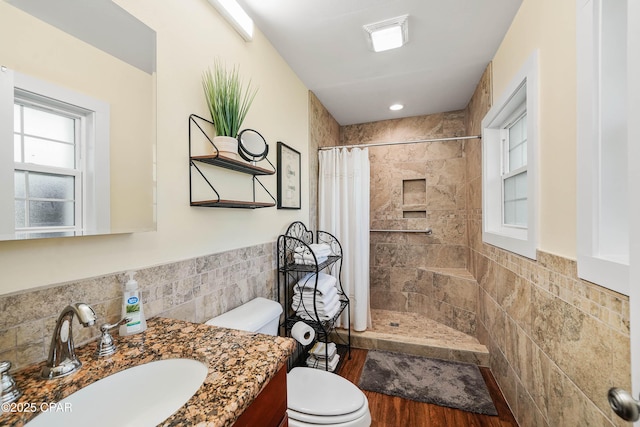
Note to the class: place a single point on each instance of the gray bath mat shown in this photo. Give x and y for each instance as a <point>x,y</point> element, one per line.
<point>441,382</point>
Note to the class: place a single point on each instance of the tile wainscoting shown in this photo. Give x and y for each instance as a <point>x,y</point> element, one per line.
<point>556,343</point>
<point>193,290</point>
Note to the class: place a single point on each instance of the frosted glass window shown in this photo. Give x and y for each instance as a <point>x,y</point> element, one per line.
<point>44,200</point>
<point>51,214</point>
<point>20,213</point>
<point>45,186</point>
<point>20,184</point>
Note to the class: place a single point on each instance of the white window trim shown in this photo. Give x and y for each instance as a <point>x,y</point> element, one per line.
<point>520,240</point>
<point>78,115</point>
<point>96,184</point>
<point>592,266</point>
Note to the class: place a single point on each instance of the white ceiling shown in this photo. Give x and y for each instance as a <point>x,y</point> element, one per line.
<point>450,44</point>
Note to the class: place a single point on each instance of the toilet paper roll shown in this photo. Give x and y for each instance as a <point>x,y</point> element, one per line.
<point>303,333</point>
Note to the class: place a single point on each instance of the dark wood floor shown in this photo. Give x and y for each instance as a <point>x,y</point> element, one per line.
<point>390,411</point>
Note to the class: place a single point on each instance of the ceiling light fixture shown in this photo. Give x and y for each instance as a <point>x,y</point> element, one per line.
<point>388,34</point>
<point>396,107</point>
<point>236,16</point>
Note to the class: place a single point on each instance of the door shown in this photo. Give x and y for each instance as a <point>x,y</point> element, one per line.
<point>633,75</point>
<point>633,64</point>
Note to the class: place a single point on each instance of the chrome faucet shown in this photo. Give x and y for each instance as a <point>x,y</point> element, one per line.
<point>62,356</point>
<point>10,390</point>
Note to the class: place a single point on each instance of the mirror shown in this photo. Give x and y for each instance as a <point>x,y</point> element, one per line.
<point>251,146</point>
<point>87,71</point>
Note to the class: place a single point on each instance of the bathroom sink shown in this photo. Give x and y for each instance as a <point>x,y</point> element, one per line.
<point>144,395</point>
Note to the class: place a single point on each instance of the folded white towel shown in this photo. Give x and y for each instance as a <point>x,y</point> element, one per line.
<point>305,256</point>
<point>324,309</point>
<point>323,315</point>
<point>309,261</point>
<point>325,305</point>
<point>322,249</point>
<point>319,249</point>
<point>321,297</point>
<point>318,350</point>
<point>308,283</point>
<point>331,310</point>
<point>314,362</point>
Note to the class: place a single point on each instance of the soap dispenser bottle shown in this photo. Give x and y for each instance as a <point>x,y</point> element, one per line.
<point>132,308</point>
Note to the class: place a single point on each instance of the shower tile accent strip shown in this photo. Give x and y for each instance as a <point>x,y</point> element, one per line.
<point>193,290</point>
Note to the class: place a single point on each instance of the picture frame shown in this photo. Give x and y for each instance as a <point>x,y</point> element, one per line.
<point>288,176</point>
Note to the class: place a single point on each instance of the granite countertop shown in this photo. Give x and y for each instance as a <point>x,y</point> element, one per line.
<point>240,365</point>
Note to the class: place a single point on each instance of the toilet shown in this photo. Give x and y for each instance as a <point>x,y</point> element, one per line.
<point>314,397</point>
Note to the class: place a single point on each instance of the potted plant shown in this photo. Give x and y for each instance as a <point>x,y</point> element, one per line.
<point>228,100</point>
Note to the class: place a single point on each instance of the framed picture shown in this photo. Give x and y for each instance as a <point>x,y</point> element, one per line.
<point>289,193</point>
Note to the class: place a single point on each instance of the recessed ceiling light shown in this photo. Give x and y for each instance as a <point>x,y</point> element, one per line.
<point>236,16</point>
<point>388,34</point>
<point>396,107</point>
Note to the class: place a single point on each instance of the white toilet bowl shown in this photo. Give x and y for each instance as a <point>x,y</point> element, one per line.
<point>318,397</point>
<point>314,397</point>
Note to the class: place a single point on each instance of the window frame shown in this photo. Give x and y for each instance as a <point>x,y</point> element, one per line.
<point>79,116</point>
<point>517,115</point>
<point>520,96</point>
<point>95,186</point>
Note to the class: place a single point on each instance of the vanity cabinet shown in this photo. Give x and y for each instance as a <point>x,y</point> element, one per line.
<point>226,163</point>
<point>269,409</point>
<point>298,238</point>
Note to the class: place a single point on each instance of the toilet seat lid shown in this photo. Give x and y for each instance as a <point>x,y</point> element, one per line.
<point>316,392</point>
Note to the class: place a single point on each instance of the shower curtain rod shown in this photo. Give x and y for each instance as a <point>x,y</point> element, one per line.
<point>377,144</point>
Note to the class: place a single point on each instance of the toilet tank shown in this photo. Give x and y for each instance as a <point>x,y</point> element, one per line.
<point>258,315</point>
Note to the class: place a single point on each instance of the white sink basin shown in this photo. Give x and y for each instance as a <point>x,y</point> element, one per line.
<point>144,395</point>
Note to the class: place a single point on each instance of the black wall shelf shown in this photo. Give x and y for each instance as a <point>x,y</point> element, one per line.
<point>229,164</point>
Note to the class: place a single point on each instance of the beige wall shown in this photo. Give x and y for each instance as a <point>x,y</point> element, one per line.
<point>190,35</point>
<point>550,27</point>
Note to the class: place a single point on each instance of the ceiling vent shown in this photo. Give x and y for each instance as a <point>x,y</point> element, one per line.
<point>388,34</point>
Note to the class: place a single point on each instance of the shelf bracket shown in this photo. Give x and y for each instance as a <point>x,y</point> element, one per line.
<point>226,163</point>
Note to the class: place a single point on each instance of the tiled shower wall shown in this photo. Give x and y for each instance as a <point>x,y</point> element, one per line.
<point>193,290</point>
<point>556,343</point>
<point>415,186</point>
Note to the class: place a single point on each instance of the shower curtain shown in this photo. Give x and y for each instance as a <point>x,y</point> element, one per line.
<point>343,205</point>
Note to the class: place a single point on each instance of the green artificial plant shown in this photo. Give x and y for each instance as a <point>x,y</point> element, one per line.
<point>227,98</point>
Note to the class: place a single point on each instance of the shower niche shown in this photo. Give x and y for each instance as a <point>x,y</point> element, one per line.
<point>414,198</point>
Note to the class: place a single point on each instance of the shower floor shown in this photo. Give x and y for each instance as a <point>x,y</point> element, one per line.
<point>414,333</point>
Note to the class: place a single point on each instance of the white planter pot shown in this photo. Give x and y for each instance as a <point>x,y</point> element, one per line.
<point>227,146</point>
